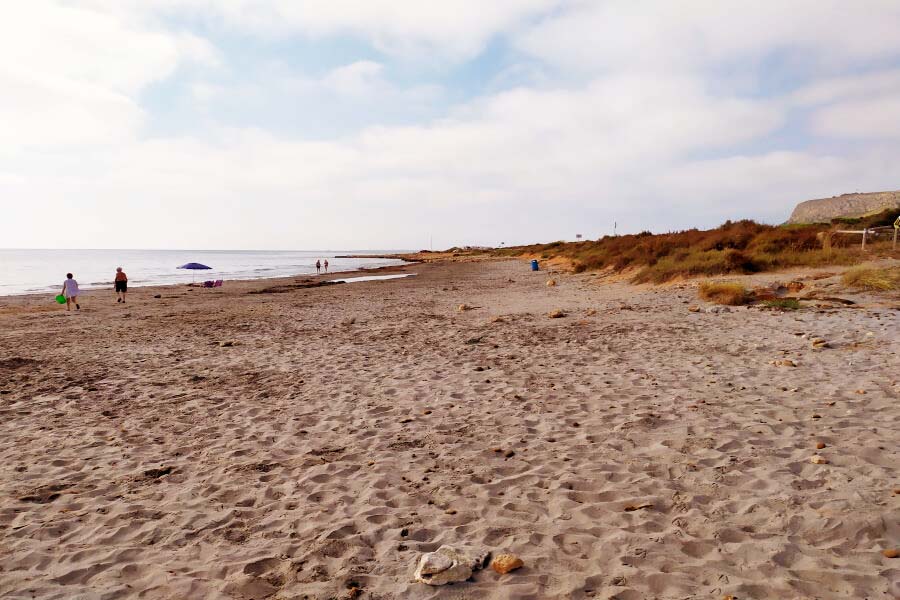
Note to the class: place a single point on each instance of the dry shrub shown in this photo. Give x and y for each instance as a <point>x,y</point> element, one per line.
<point>735,247</point>
<point>872,278</point>
<point>783,303</point>
<point>730,294</point>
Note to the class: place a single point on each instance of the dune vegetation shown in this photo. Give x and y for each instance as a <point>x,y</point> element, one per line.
<point>729,294</point>
<point>734,247</point>
<point>872,278</point>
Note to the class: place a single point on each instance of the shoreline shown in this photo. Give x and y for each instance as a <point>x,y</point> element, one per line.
<point>152,287</point>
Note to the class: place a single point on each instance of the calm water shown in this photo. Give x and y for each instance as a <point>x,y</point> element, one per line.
<point>38,271</point>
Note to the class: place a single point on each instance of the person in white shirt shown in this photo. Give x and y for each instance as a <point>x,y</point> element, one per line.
<point>70,291</point>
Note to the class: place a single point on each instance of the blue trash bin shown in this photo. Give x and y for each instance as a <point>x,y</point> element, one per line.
<point>534,265</point>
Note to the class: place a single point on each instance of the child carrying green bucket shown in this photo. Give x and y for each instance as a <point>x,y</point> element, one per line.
<point>70,292</point>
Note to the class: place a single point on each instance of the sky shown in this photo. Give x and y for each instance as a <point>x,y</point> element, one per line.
<point>402,124</point>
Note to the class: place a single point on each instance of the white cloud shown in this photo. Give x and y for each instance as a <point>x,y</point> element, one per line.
<point>831,89</point>
<point>585,152</point>
<point>71,75</point>
<point>661,36</point>
<point>865,118</point>
<point>630,119</point>
<point>356,79</point>
<point>410,28</point>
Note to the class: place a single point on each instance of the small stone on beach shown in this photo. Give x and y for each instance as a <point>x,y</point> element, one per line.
<point>891,553</point>
<point>504,563</point>
<point>818,460</point>
<point>449,564</point>
<point>556,314</point>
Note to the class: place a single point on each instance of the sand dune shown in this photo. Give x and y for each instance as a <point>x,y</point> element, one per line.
<point>311,444</point>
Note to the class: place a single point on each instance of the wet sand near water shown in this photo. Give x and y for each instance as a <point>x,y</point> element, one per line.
<point>312,442</point>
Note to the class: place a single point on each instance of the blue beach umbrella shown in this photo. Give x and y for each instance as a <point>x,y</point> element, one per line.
<point>194,267</point>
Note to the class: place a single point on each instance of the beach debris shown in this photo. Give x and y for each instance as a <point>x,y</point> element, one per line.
<point>891,552</point>
<point>694,308</point>
<point>819,344</point>
<point>464,307</point>
<point>354,592</point>
<point>784,362</point>
<point>717,309</point>
<point>504,563</point>
<point>475,340</point>
<point>634,507</point>
<point>227,344</point>
<point>818,460</point>
<point>551,282</point>
<point>449,564</point>
<point>556,313</point>
<point>820,445</point>
<point>158,296</point>
<point>157,473</point>
<point>509,453</point>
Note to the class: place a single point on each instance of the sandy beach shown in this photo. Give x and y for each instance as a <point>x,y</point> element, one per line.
<point>270,440</point>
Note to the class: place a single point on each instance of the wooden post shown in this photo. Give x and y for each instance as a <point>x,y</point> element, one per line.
<point>895,238</point>
<point>864,231</point>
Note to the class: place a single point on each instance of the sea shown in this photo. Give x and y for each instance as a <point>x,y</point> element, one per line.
<point>43,271</point>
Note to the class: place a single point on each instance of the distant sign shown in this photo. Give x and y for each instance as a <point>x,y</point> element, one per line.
<point>578,235</point>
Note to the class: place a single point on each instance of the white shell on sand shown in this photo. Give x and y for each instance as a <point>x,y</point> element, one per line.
<point>449,564</point>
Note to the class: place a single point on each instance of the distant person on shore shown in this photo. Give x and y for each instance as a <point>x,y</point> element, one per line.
<point>121,284</point>
<point>318,267</point>
<point>70,291</point>
<point>326,265</point>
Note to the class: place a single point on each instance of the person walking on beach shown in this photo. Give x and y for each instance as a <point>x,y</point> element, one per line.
<point>70,291</point>
<point>326,265</point>
<point>121,284</point>
<point>318,267</point>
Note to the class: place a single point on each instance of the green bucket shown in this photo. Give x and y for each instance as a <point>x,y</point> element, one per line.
<point>61,299</point>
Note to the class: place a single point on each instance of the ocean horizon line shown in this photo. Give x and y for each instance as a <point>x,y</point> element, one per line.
<point>34,271</point>
<point>324,250</point>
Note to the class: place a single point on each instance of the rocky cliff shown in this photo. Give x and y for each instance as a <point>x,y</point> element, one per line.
<point>845,205</point>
